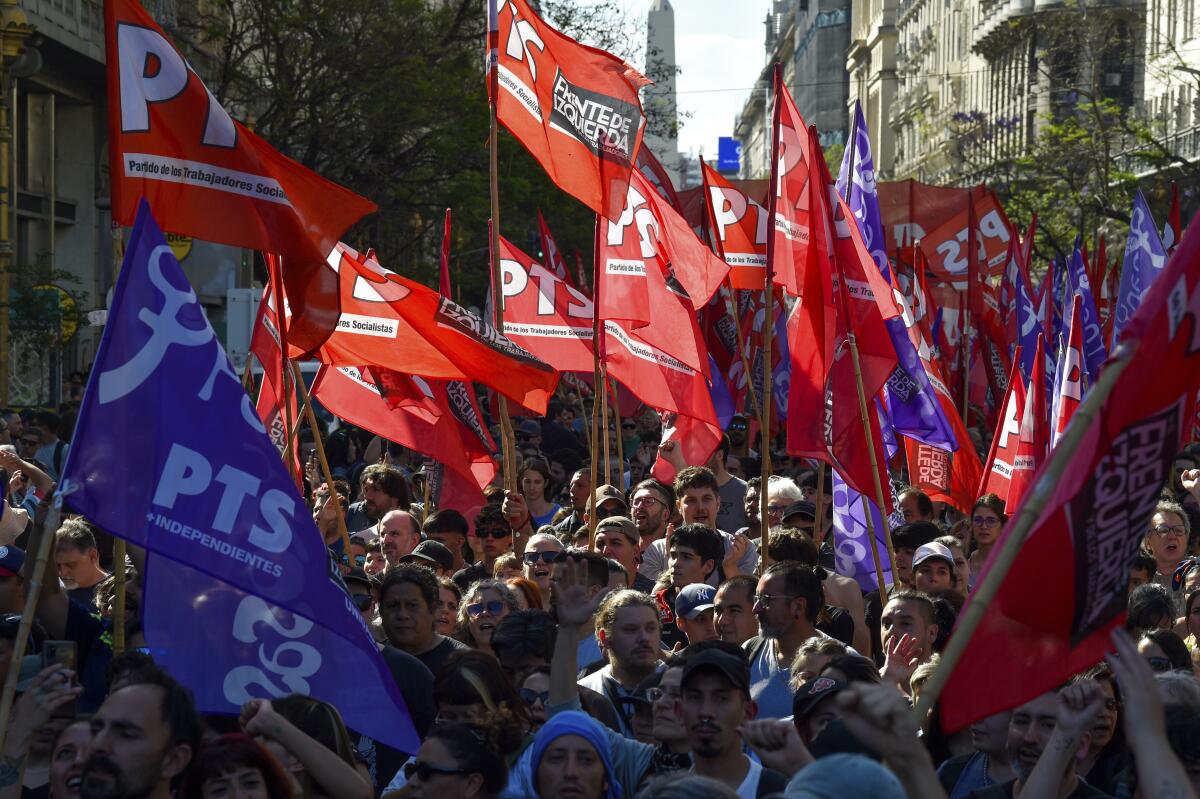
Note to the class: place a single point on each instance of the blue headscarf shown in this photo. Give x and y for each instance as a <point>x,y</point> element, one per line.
<point>572,722</point>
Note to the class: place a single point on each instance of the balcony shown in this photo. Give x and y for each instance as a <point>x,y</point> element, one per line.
<point>77,24</point>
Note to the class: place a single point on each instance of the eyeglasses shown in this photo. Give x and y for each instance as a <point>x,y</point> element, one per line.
<point>493,532</point>
<point>776,508</point>
<point>476,609</point>
<point>544,557</point>
<point>657,694</point>
<point>1165,530</point>
<point>423,771</point>
<point>642,501</point>
<point>1159,664</point>
<point>359,560</point>
<point>985,521</point>
<point>362,601</point>
<point>530,696</point>
<point>628,426</point>
<point>766,599</point>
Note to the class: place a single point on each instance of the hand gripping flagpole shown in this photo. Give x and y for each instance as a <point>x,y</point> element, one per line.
<point>863,408</point>
<point>764,559</point>
<point>33,594</point>
<point>507,445</point>
<point>1030,511</point>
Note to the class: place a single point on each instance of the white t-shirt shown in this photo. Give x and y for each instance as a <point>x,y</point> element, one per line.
<point>749,787</point>
<point>654,559</point>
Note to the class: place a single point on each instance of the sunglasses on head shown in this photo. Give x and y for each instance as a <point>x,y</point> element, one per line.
<point>493,532</point>
<point>530,696</point>
<point>544,557</point>
<point>424,771</point>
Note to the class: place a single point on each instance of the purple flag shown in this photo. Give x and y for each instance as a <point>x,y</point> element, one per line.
<point>852,553</point>
<point>1028,326</point>
<point>911,402</point>
<point>242,597</point>
<point>1145,258</point>
<point>1094,351</point>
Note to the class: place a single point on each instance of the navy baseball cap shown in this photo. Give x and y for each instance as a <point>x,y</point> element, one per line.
<point>11,560</point>
<point>694,599</point>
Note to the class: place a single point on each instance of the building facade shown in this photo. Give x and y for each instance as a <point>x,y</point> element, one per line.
<point>61,230</point>
<point>871,64</point>
<point>809,39</point>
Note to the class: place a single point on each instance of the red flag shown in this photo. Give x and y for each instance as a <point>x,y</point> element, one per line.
<point>658,177</point>
<point>795,197</point>
<point>1036,633</point>
<point>863,300</point>
<point>551,256</point>
<point>265,345</point>
<point>1034,440</point>
<point>444,282</point>
<point>944,476</point>
<point>396,323</point>
<point>210,177</point>
<point>575,108</point>
<point>997,477</point>
<point>648,259</point>
<point>545,314</point>
<point>1069,382</point>
<point>739,227</point>
<point>581,275</point>
<point>421,420</point>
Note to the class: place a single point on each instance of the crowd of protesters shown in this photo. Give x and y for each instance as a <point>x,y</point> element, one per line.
<point>661,655</point>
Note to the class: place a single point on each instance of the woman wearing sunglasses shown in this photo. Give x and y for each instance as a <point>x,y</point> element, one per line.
<point>485,604</point>
<point>456,760</point>
<point>987,520</point>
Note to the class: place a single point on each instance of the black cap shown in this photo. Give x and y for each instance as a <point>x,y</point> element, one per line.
<point>736,669</point>
<point>802,508</point>
<point>915,534</point>
<point>812,693</point>
<point>431,552</point>
<point>358,576</point>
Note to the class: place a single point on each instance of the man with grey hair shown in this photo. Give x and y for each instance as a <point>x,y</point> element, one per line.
<point>1167,539</point>
<point>78,560</point>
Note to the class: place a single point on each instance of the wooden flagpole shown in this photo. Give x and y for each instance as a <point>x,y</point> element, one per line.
<point>863,408</point>
<point>1020,527</point>
<point>118,630</point>
<point>620,443</point>
<point>819,520</point>
<point>598,383</point>
<point>507,444</point>
<point>866,506</point>
<point>769,325</point>
<point>602,387</point>
<point>320,445</point>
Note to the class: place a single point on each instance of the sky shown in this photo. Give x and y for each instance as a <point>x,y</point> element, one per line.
<point>718,46</point>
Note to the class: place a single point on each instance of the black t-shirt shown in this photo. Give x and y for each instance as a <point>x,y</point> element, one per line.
<point>434,658</point>
<point>838,624</point>
<point>416,687</point>
<point>771,782</point>
<point>84,596</point>
<point>1005,791</point>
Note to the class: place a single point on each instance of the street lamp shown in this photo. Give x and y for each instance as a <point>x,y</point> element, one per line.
<point>14,30</point>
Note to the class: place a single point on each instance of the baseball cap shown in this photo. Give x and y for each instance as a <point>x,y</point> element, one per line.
<point>914,534</point>
<point>529,428</point>
<point>812,693</point>
<point>932,550</point>
<point>840,775</point>
<point>806,510</point>
<point>622,523</point>
<point>694,599</point>
<point>358,576</point>
<point>434,552</point>
<point>734,666</point>
<point>11,560</point>
<point>609,492</point>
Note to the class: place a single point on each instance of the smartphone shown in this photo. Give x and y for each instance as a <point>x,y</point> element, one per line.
<point>67,654</point>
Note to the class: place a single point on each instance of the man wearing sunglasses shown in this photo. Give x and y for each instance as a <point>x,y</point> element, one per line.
<point>495,538</point>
